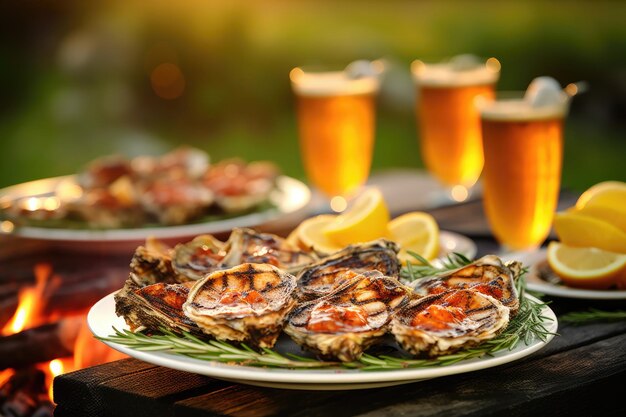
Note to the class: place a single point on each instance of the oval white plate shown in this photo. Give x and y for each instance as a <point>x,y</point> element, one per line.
<point>535,283</point>
<point>289,197</point>
<point>102,317</point>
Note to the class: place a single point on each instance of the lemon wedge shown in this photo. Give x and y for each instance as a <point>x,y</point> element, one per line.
<point>366,220</point>
<point>417,232</point>
<point>309,236</point>
<point>580,230</point>
<point>611,194</point>
<point>586,267</point>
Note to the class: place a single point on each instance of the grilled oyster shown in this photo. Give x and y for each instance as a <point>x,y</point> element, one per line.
<point>152,263</point>
<point>199,257</point>
<point>443,323</point>
<point>326,275</point>
<point>247,303</point>
<point>487,275</point>
<point>249,246</point>
<point>346,322</point>
<point>155,306</point>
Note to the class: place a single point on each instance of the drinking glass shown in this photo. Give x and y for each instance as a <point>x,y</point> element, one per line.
<point>523,148</point>
<point>448,121</point>
<point>336,123</point>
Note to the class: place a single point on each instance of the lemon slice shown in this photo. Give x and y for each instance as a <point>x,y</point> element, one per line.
<point>586,267</point>
<point>610,194</point>
<point>308,235</point>
<point>366,220</point>
<point>576,229</point>
<point>417,232</point>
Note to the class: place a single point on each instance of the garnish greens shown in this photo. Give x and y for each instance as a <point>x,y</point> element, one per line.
<point>527,325</point>
<point>593,315</point>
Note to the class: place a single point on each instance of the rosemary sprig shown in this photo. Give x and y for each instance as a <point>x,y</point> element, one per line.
<point>411,272</point>
<point>213,350</point>
<point>593,315</point>
<point>527,325</point>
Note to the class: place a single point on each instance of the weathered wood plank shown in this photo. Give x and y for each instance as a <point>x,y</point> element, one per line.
<point>588,372</point>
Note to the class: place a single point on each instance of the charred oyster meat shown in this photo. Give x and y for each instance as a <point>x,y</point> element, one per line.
<point>195,259</point>
<point>444,323</point>
<point>488,275</point>
<point>327,274</point>
<point>346,322</point>
<point>155,306</point>
<point>247,303</point>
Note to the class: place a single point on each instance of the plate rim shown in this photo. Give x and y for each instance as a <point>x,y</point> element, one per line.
<point>285,185</point>
<point>242,373</point>
<point>534,283</point>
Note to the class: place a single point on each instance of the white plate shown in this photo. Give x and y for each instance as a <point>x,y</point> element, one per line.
<point>290,196</point>
<point>102,317</point>
<point>450,242</point>
<point>536,283</point>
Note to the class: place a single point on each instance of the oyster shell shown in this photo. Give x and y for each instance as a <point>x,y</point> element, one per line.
<point>152,263</point>
<point>195,259</point>
<point>488,275</point>
<point>249,246</point>
<point>155,306</point>
<point>444,323</point>
<point>326,275</point>
<point>247,303</point>
<point>346,322</point>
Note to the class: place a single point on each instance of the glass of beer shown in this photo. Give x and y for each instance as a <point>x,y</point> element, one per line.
<point>523,144</point>
<point>336,122</point>
<point>448,121</point>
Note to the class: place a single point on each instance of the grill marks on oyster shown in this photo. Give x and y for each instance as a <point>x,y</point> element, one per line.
<point>155,306</point>
<point>346,322</point>
<point>247,303</point>
<point>487,275</point>
<point>444,323</point>
<point>328,274</point>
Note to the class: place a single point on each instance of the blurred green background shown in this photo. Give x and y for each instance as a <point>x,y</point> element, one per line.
<point>76,76</point>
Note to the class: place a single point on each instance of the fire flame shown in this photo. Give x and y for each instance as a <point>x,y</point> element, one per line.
<point>32,301</point>
<point>30,313</point>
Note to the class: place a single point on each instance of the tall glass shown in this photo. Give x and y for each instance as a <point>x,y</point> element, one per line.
<point>523,153</point>
<point>449,123</point>
<point>336,116</point>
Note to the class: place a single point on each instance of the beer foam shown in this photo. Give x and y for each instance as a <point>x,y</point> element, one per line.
<point>521,110</point>
<point>456,73</point>
<point>331,83</point>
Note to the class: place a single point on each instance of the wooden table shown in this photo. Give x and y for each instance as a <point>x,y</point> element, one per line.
<point>582,372</point>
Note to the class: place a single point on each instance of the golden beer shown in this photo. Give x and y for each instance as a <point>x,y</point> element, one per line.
<point>523,154</point>
<point>336,129</point>
<point>448,120</point>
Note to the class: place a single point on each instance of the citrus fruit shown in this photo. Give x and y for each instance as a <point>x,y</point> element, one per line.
<point>417,232</point>
<point>609,214</point>
<point>576,229</point>
<point>366,220</point>
<point>586,267</point>
<point>308,235</point>
<point>610,194</point>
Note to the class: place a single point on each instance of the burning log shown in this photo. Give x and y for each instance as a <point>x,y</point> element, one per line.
<point>77,292</point>
<point>40,344</point>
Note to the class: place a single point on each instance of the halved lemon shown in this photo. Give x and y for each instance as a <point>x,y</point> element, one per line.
<point>576,229</point>
<point>417,232</point>
<point>610,194</point>
<point>586,267</point>
<point>366,220</point>
<point>308,235</point>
